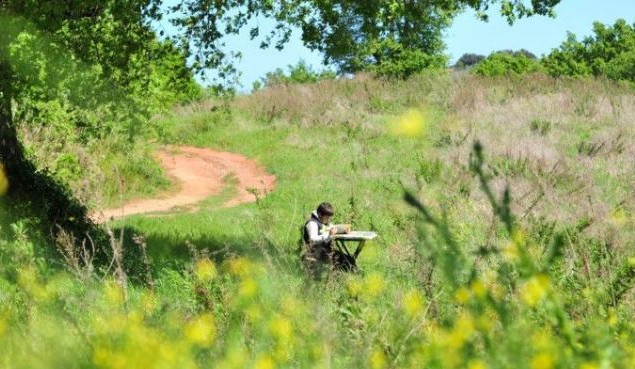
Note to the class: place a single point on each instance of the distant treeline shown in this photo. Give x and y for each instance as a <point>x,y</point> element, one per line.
<point>609,52</point>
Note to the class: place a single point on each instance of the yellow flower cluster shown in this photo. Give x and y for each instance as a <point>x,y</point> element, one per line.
<point>265,362</point>
<point>477,289</point>
<point>370,286</point>
<point>413,303</point>
<point>201,330</point>
<point>512,251</point>
<point>205,270</point>
<point>543,361</point>
<point>410,124</point>
<point>127,341</point>
<point>476,364</point>
<point>281,329</point>
<point>247,274</point>
<point>258,325</point>
<point>377,360</point>
<point>535,289</point>
<point>462,331</point>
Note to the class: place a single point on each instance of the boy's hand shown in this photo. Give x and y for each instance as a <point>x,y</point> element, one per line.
<point>333,231</point>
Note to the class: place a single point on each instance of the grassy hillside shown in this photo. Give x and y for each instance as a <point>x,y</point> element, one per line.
<point>460,275</point>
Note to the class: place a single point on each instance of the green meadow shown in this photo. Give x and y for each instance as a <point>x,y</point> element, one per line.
<point>503,208</point>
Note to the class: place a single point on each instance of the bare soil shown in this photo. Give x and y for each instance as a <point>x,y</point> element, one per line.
<point>199,173</point>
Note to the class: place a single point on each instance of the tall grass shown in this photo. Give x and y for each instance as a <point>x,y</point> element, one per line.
<point>512,254</point>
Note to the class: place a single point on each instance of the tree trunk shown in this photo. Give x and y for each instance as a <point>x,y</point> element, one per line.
<point>10,148</point>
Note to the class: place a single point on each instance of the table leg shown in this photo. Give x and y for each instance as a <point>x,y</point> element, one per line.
<point>342,246</point>
<point>359,249</point>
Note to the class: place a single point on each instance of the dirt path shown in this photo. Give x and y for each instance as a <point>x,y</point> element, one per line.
<point>199,174</point>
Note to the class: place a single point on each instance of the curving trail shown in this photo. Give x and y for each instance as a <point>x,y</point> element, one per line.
<point>199,173</point>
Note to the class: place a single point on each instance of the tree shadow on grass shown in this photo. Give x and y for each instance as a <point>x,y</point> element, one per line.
<point>177,252</point>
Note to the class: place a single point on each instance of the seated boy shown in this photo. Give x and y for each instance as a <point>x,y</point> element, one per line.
<point>317,235</point>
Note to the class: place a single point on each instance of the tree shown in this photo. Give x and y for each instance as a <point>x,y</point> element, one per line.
<point>113,38</point>
<point>355,35</point>
<point>95,66</point>
<point>609,52</point>
<point>362,35</point>
<point>468,60</point>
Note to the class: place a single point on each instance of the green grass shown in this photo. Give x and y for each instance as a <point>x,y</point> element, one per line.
<point>454,284</point>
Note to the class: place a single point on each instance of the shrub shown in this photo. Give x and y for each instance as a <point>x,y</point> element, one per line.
<point>299,73</point>
<point>505,63</point>
<point>610,52</point>
<point>468,60</point>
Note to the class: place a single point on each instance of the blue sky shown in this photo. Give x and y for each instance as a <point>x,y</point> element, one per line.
<point>467,35</point>
<point>537,34</point>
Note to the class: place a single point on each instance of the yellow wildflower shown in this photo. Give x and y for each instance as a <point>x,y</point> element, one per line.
<point>201,330</point>
<point>479,289</point>
<point>535,289</point>
<point>281,329</point>
<point>377,359</point>
<point>240,267</point>
<point>205,270</point>
<point>248,288</point>
<point>543,361</point>
<point>518,236</point>
<point>265,362</point>
<point>101,356</point>
<point>462,331</point>
<point>113,293</point>
<point>413,302</point>
<point>462,295</point>
<point>476,364</point>
<point>167,353</point>
<point>4,181</point>
<point>511,252</point>
<point>612,318</point>
<point>589,366</point>
<point>374,285</point>
<point>354,287</point>
<point>410,124</point>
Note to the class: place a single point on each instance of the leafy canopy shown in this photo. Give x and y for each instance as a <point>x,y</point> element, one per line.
<point>609,52</point>
<point>389,37</point>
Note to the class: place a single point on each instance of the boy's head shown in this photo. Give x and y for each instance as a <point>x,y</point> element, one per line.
<point>325,211</point>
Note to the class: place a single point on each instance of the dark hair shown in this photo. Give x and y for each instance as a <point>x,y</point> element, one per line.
<point>325,209</point>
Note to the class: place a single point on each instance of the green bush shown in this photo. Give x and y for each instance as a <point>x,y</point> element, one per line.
<point>468,60</point>
<point>299,73</point>
<point>610,53</point>
<point>504,63</point>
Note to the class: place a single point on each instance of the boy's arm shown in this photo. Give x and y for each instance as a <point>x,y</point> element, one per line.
<point>314,236</point>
